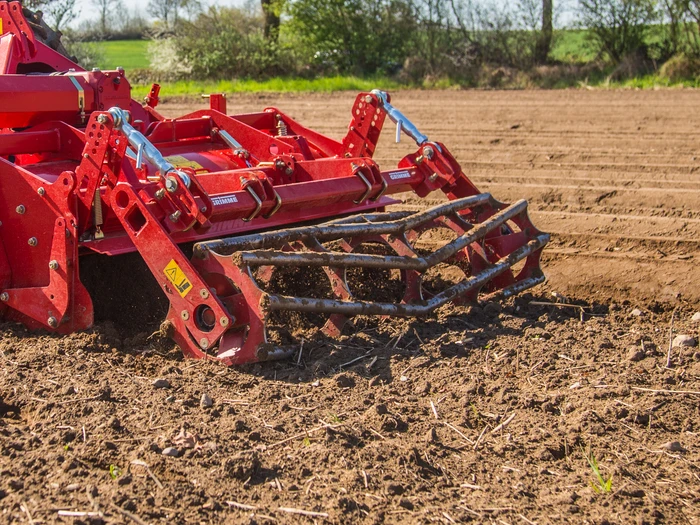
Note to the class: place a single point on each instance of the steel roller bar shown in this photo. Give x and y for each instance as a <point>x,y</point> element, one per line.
<point>331,306</point>
<point>346,260</point>
<point>326,232</point>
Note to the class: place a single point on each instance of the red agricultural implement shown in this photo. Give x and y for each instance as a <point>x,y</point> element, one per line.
<point>85,169</point>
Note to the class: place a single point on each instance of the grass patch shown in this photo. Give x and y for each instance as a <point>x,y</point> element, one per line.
<point>273,85</point>
<point>129,54</point>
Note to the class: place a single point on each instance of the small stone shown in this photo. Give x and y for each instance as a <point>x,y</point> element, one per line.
<point>683,340</point>
<point>406,504</point>
<point>206,401</point>
<point>374,381</point>
<point>636,313</point>
<point>635,354</point>
<point>431,436</point>
<point>492,309</point>
<point>161,383</point>
<point>576,385</point>
<point>696,317</point>
<point>72,487</point>
<point>673,446</point>
<point>345,381</point>
<point>68,391</point>
<point>381,409</point>
<point>124,480</point>
<point>170,451</point>
<point>422,388</point>
<point>394,489</point>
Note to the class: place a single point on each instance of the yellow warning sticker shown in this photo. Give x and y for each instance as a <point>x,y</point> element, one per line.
<point>1,33</point>
<point>181,162</point>
<point>176,276</point>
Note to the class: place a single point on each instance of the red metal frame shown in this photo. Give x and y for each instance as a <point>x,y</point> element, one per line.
<point>69,183</point>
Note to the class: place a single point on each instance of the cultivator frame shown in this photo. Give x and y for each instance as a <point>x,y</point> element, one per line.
<point>88,169</point>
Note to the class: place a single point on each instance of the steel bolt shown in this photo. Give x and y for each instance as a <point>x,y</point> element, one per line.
<point>175,216</point>
<point>204,294</point>
<point>102,119</point>
<point>32,241</point>
<point>223,321</point>
<point>96,70</point>
<point>53,323</point>
<point>203,209</point>
<point>53,265</point>
<point>20,209</point>
<point>4,297</point>
<point>160,194</point>
<point>368,99</point>
<point>41,191</point>
<point>428,152</point>
<point>171,184</point>
<point>120,69</point>
<point>433,177</point>
<point>204,343</point>
<point>185,315</point>
<point>86,155</point>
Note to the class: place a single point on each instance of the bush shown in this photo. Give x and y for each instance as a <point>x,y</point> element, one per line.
<point>354,36</point>
<point>85,54</point>
<point>230,43</point>
<point>166,64</point>
<point>618,28</point>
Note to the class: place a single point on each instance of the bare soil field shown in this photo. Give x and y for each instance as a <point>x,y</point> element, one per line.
<point>497,413</point>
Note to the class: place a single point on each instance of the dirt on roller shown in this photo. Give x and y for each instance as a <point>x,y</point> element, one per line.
<point>490,414</point>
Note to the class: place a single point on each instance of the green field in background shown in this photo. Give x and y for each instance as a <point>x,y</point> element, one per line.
<point>569,46</point>
<point>129,54</point>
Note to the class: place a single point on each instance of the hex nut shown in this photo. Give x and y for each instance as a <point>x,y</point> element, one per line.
<point>20,209</point>
<point>53,265</point>
<point>52,322</point>
<point>32,241</point>
<point>4,297</point>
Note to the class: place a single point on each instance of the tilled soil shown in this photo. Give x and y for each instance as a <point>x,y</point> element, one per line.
<point>490,414</point>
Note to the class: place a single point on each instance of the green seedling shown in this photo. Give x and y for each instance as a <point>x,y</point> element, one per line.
<point>66,447</point>
<point>114,471</point>
<point>335,419</point>
<point>306,442</point>
<point>601,485</point>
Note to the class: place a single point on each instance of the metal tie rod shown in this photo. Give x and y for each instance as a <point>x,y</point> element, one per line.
<point>280,258</point>
<point>332,306</point>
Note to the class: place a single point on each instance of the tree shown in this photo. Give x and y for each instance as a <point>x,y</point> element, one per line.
<point>272,10</point>
<point>105,12</point>
<point>166,11</point>
<point>618,27</point>
<point>544,44</point>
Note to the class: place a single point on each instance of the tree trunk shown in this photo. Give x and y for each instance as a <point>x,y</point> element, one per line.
<point>545,42</point>
<point>272,19</point>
